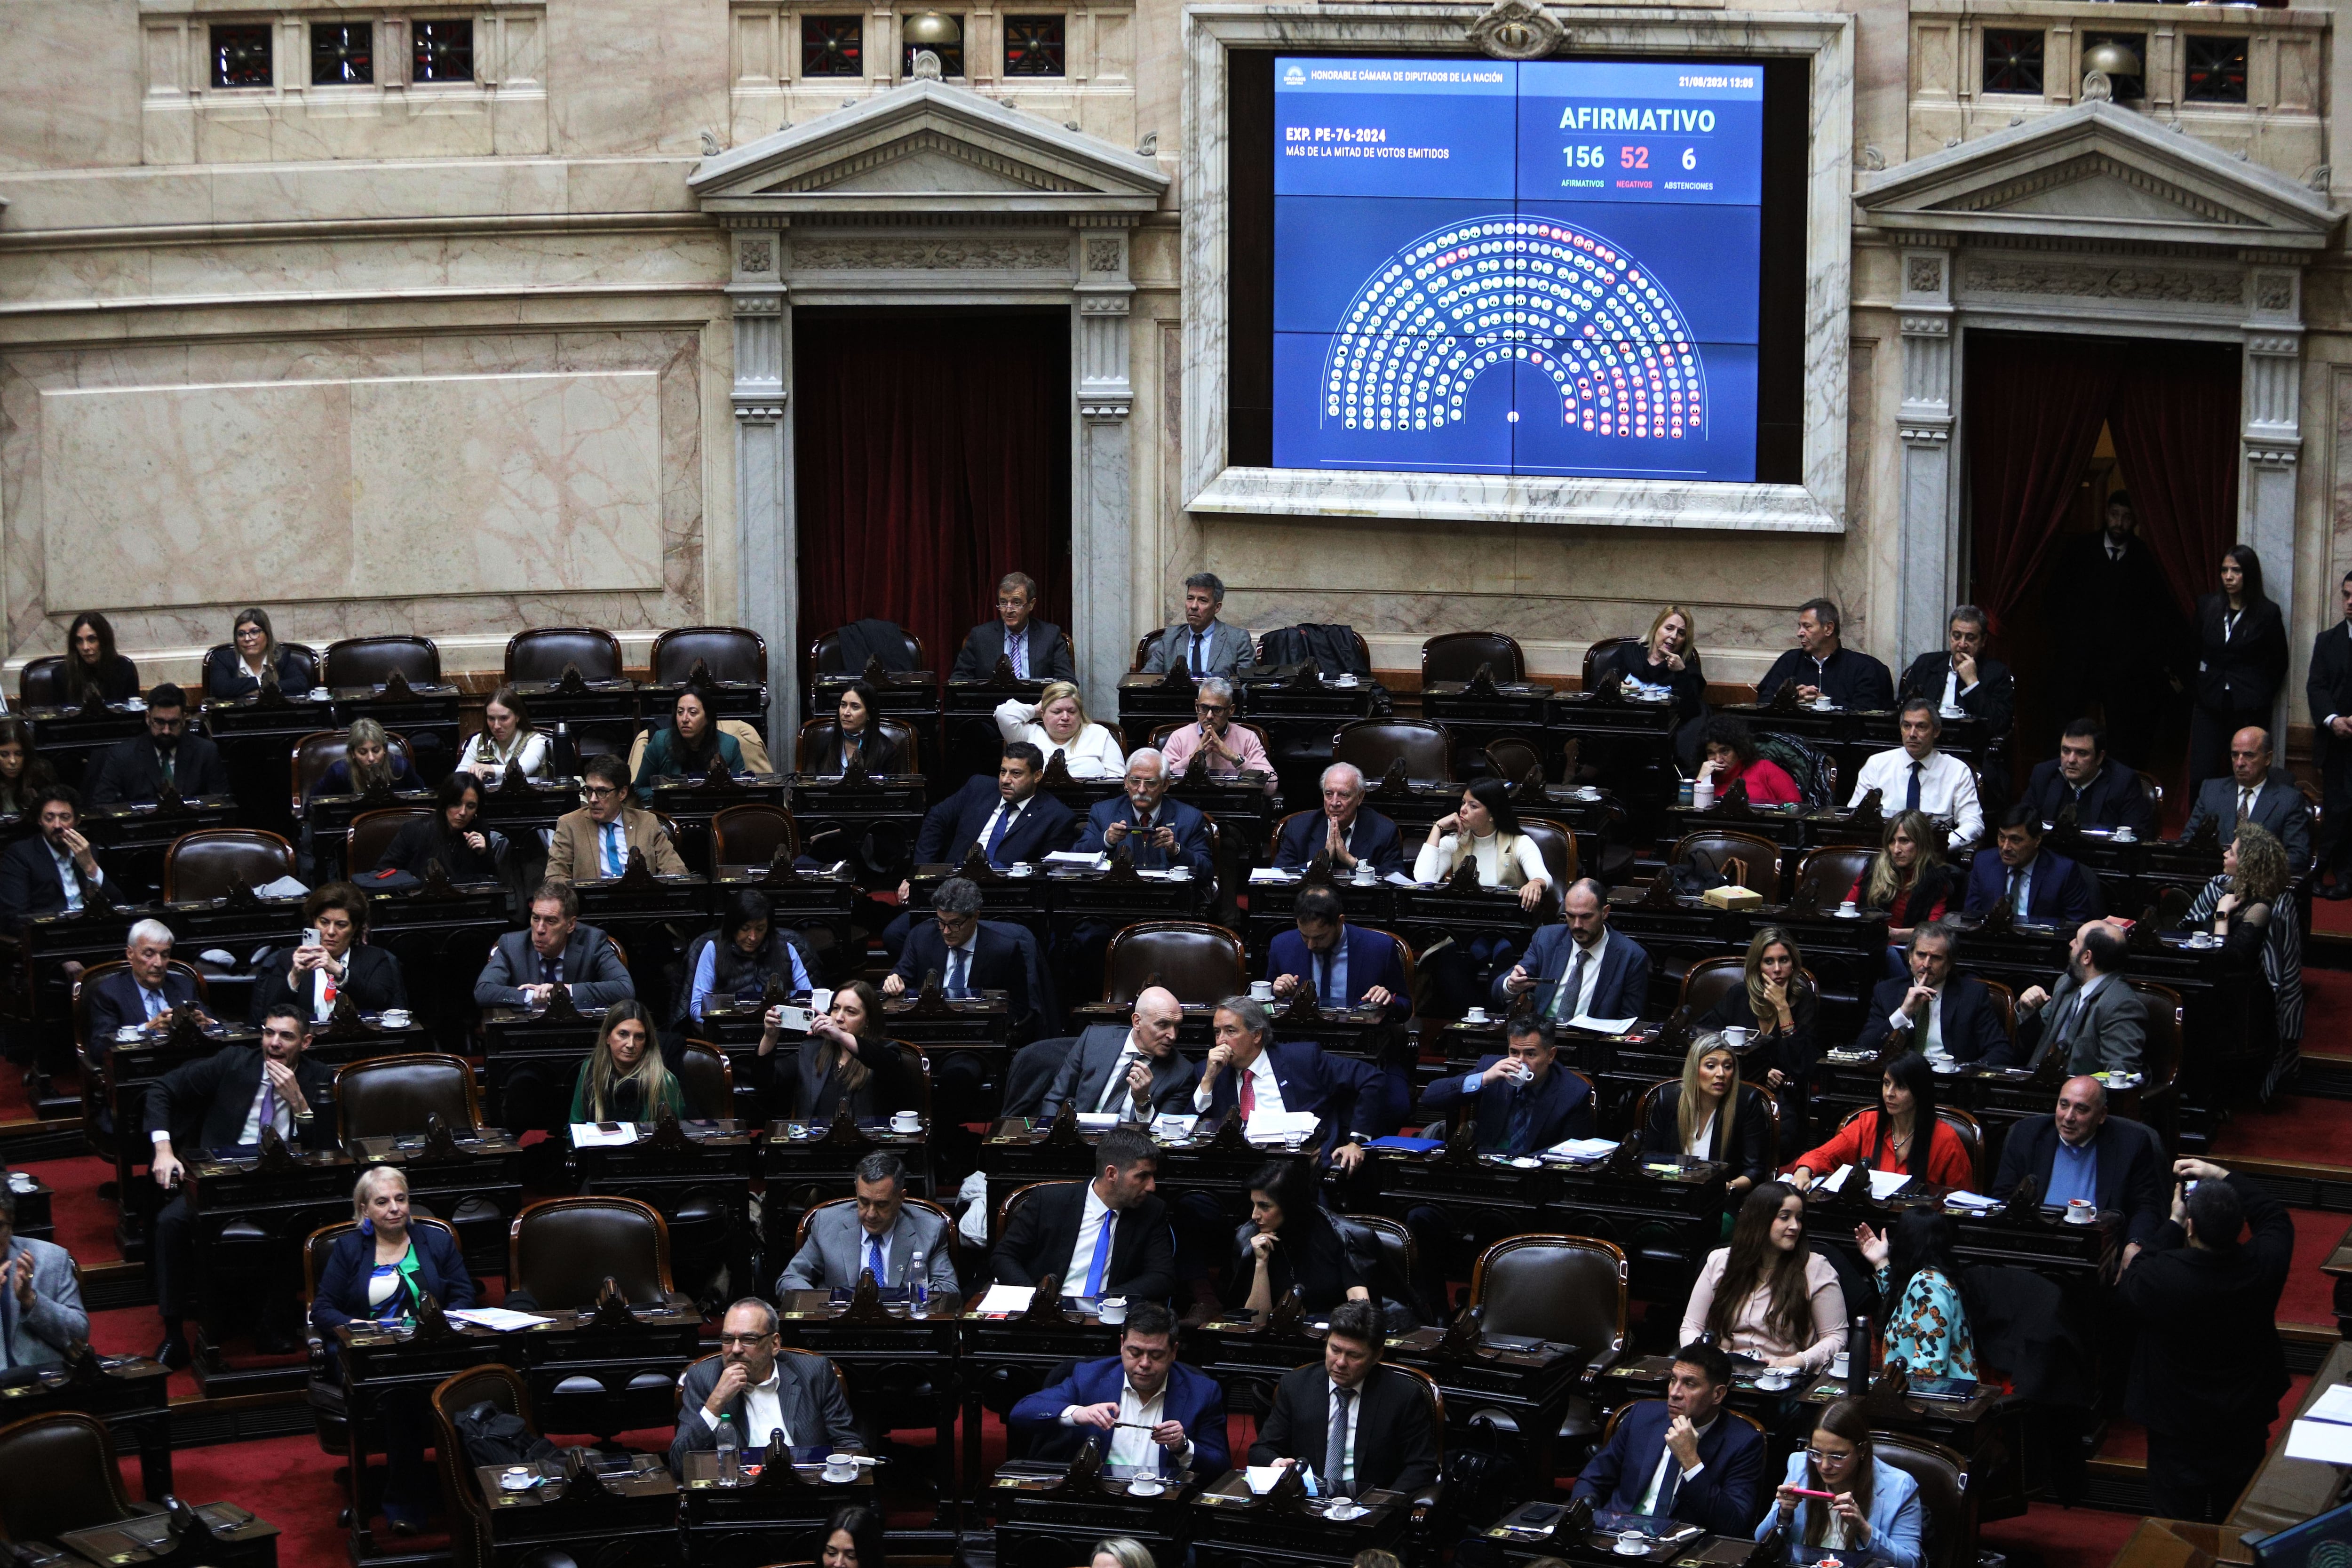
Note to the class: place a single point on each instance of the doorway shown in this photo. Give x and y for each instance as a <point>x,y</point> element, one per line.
<point>2056,426</point>
<point>931,454</point>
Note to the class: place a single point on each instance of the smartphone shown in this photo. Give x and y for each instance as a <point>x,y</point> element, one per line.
<point>790,1017</point>
<point>1539,1515</point>
<point>1808,1491</point>
<point>310,937</point>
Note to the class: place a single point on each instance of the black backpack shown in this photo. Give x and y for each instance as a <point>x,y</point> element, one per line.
<point>496,1437</point>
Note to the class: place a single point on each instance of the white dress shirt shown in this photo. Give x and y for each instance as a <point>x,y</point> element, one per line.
<point>1701,1140</point>
<point>1947,789</point>
<point>1092,1228</point>
<point>1092,752</point>
<point>1666,1458</point>
<point>763,1413</point>
<point>1127,1446</point>
<point>1901,1021</point>
<point>1114,1095</point>
<point>1954,692</point>
<point>1577,1007</point>
<point>1266,1093</point>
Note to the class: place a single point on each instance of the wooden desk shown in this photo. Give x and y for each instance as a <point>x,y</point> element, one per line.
<point>707,1172</point>
<point>1475,713</point>
<point>1630,742</point>
<point>691,802</point>
<point>849,809</point>
<point>762,1520</point>
<point>804,1170</point>
<point>425,715</point>
<point>2288,1491</point>
<point>894,1367</point>
<point>1045,1518</point>
<point>1148,701</point>
<point>639,1506</point>
<point>328,817</point>
<point>1020,1150</point>
<point>517,1039</point>
<point>240,1539</point>
<point>806,900</point>
<point>66,736</point>
<point>743,699</point>
<point>133,839</point>
<point>1517,1539</point>
<point>127,1393</point>
<point>1227,1519</point>
<point>601,704</point>
<point>1007,1356</point>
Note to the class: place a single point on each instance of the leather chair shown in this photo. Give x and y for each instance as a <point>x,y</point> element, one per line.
<point>1599,651</point>
<point>898,730</point>
<point>370,661</point>
<point>1829,874</point>
<point>1715,846</point>
<point>329,1414</point>
<point>1648,1102</point>
<point>202,864</point>
<point>372,833</point>
<point>946,1222</point>
<point>390,1097</point>
<point>93,973</point>
<point>220,656</point>
<point>1567,1289</point>
<point>1371,744</point>
<point>2004,1000</point>
<point>472,1537</point>
<point>57,1474</point>
<point>1950,1537</point>
<point>42,682</point>
<point>706,1079</point>
<point>1512,759</point>
<point>1456,655</point>
<point>1709,980</point>
<point>1201,964</point>
<point>824,654</point>
<point>2148,781</point>
<point>560,1249</point>
<point>2160,1062</point>
<point>541,654</point>
<point>320,750</point>
<point>1398,1258</point>
<point>729,653</point>
<point>1011,1204</point>
<point>1963,1122</point>
<point>1556,842</point>
<point>1143,647</point>
<point>750,834</point>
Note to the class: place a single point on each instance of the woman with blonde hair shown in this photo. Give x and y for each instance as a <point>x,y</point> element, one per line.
<point>1714,1116</point>
<point>368,762</point>
<point>624,1078</point>
<point>1121,1552</point>
<point>1665,665</point>
<point>1058,721</point>
<point>2247,906</point>
<point>1908,878</point>
<point>1775,1000</point>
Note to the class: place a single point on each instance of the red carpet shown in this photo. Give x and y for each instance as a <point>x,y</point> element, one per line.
<point>2310,1295</point>
<point>2048,1536</point>
<point>2295,1128</point>
<point>2332,915</point>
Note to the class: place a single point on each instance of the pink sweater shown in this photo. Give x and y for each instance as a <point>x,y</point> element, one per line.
<point>1244,743</point>
<point>1749,1334</point>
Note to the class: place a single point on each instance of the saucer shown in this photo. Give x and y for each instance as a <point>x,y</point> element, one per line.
<point>517,1479</point>
<point>1141,1487</point>
<point>2091,1218</point>
<point>1846,914</point>
<point>1526,1162</point>
<point>1775,1381</point>
<point>1632,1549</point>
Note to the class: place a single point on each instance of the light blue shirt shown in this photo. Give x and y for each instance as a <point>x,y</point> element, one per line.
<point>616,848</point>
<point>1335,960</point>
<point>2074,1174</point>
<point>1897,1518</point>
<point>2023,905</point>
<point>706,971</point>
<point>69,878</point>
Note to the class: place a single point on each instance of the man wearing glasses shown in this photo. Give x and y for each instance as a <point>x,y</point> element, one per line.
<point>593,844</point>
<point>1231,748</point>
<point>167,756</point>
<point>757,1392</point>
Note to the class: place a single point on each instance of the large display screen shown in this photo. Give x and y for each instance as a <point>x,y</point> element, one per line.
<point>1548,268</point>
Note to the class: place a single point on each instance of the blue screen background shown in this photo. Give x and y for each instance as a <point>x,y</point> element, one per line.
<point>1548,267</point>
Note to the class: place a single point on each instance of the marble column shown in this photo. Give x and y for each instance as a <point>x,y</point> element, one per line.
<point>2271,441</point>
<point>1929,537</point>
<point>769,599</point>
<point>1102,509</point>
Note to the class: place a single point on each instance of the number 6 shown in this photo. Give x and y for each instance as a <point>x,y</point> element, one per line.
<point>1690,157</point>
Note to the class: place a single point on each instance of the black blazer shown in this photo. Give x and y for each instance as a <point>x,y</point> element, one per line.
<point>131,772</point>
<point>1633,659</point>
<point>372,977</point>
<point>823,746</point>
<point>2242,673</point>
<point>954,827</point>
<point>998,962</point>
<point>1847,678</point>
<point>343,1283</point>
<point>1049,657</point>
<point>800,1084</point>
<point>1992,698</point>
<point>115,1001</point>
<point>2111,616</point>
<point>2113,798</point>
<point>1794,1050</point>
<point>225,679</point>
<point>1396,1436</point>
<point>203,1104</point>
<point>1309,1254</point>
<point>29,883</point>
<point>2329,691</point>
<point>807,1393</point>
<point>1750,1156</point>
<point>418,844</point>
<point>1371,837</point>
<point>1971,1023</point>
<point>118,680</point>
<point>2208,1362</point>
<point>2134,1174</point>
<point>1045,1227</point>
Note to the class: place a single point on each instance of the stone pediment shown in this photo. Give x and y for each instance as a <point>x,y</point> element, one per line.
<point>930,148</point>
<point>2096,172</point>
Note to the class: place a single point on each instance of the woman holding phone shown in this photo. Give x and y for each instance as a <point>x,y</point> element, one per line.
<point>1838,1496</point>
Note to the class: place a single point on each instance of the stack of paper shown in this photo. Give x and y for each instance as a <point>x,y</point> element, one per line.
<point>1265,875</point>
<point>1584,1150</point>
<point>1273,1126</point>
<point>500,1319</point>
<point>1098,1121</point>
<point>1603,1026</point>
<point>1882,1183</point>
<point>1007,1299</point>
<point>1973,1202</point>
<point>603,1135</point>
<point>1077,860</point>
<point>2324,1431</point>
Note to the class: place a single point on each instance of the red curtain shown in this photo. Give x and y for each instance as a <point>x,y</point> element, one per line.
<point>932,456</point>
<point>2175,420</point>
<point>2034,407</point>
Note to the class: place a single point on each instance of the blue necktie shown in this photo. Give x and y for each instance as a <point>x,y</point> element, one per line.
<point>1004,816</point>
<point>959,972</point>
<point>612,867</point>
<point>1017,646</point>
<point>1523,1119</point>
<point>874,1261</point>
<point>1911,797</point>
<point>1102,1254</point>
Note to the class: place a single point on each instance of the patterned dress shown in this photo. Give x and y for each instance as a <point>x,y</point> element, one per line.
<point>1929,1331</point>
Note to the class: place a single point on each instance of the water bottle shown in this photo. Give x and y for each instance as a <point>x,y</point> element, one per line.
<point>730,1452</point>
<point>917,1292</point>
<point>1857,1349</point>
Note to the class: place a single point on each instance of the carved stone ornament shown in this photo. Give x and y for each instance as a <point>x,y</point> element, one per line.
<point>2098,88</point>
<point>1516,30</point>
<point>926,66</point>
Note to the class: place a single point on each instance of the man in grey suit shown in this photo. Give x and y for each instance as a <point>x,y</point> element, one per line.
<point>878,1232</point>
<point>40,1305</point>
<point>1136,1072</point>
<point>2094,1016</point>
<point>2259,793</point>
<point>749,1385</point>
<point>526,967</point>
<point>1200,644</point>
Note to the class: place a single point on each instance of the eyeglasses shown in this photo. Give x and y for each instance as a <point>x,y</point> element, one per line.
<point>1819,1458</point>
<point>746,1341</point>
<point>1213,707</point>
<point>599,791</point>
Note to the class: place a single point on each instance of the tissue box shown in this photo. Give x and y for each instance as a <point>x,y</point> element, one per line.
<point>1733,898</point>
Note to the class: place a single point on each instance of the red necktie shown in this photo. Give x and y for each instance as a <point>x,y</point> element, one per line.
<point>1249,1098</point>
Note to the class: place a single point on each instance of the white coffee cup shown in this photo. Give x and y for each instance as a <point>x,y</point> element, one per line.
<point>1261,990</point>
<point>395,1018</point>
<point>1112,1309</point>
<point>2081,1211</point>
<point>906,1122</point>
<point>1848,906</point>
<point>1365,875</point>
<point>128,1032</point>
<point>841,1467</point>
<point>1737,1036</point>
<point>1475,1015</point>
<point>1179,872</point>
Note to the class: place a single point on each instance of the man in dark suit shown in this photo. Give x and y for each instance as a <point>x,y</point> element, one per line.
<point>2329,692</point>
<point>1158,832</point>
<point>1247,1070</point>
<point>2258,793</point>
<point>1821,666</point>
<point>1344,826</point>
<point>144,989</point>
<point>1343,966</point>
<point>1524,1100</point>
<point>1937,1011</point>
<point>316,976</point>
<point>1201,645</point>
<point>1142,1407</point>
<point>526,967</point>
<point>2081,1153</point>
<point>756,1391</point>
<point>1108,1237</point>
<point>1135,1073</point>
<point>223,1102</point>
<point>1579,968</point>
<point>2103,792</point>
<point>969,954</point>
<point>1962,678</point>
<point>1007,817</point>
<point>1035,646</point>
<point>2040,887</point>
<point>55,870</point>
<point>138,769</point>
<point>1715,1480</point>
<point>1387,1431</point>
<point>2116,632</point>
<point>2207,1368</point>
